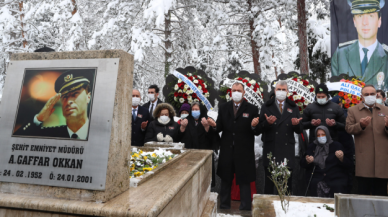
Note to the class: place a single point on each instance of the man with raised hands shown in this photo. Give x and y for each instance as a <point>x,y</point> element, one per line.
<point>280,119</point>
<point>238,121</point>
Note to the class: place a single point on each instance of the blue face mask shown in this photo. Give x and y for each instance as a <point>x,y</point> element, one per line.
<point>196,114</point>
<point>322,139</point>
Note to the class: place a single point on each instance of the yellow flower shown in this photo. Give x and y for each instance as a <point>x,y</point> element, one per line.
<point>349,95</point>
<point>343,101</point>
<point>136,155</point>
<point>147,169</point>
<point>153,155</point>
<point>130,176</point>
<point>132,169</point>
<point>145,157</point>
<point>358,98</point>
<point>169,158</point>
<point>155,167</point>
<point>140,152</point>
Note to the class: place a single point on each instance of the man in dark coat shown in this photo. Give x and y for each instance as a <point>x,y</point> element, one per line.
<point>280,120</point>
<point>323,112</point>
<point>140,119</point>
<point>237,120</point>
<point>153,95</point>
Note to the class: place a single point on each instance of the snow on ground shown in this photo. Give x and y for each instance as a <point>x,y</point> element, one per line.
<point>297,209</point>
<point>227,215</point>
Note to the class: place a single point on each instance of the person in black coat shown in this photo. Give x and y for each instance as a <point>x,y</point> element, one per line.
<point>140,119</point>
<point>198,134</point>
<point>164,128</point>
<point>237,120</point>
<point>280,119</point>
<point>325,162</point>
<point>323,112</point>
<point>153,94</point>
<point>347,142</point>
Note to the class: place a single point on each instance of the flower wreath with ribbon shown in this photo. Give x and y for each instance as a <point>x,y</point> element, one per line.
<point>300,100</point>
<point>348,100</point>
<point>182,93</point>
<point>252,83</point>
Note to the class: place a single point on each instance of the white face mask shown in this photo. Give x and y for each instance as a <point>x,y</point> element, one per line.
<point>380,101</point>
<point>281,95</point>
<point>164,119</point>
<point>236,96</point>
<point>151,96</point>
<point>135,101</point>
<point>322,101</point>
<point>322,139</point>
<point>183,116</point>
<point>370,100</point>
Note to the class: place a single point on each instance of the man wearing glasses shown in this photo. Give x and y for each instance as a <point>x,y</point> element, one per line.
<point>368,122</point>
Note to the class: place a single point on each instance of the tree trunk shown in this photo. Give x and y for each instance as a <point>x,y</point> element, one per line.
<point>167,43</point>
<point>75,7</point>
<point>21,22</point>
<point>302,35</point>
<point>255,49</point>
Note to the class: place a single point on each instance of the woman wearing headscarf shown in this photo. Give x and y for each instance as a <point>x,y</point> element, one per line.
<point>184,112</point>
<point>198,133</point>
<point>164,128</point>
<point>326,165</point>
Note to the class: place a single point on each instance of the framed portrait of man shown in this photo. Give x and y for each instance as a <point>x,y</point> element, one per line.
<point>359,41</point>
<point>55,103</point>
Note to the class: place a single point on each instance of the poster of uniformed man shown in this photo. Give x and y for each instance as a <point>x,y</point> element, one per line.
<point>55,103</point>
<point>365,57</point>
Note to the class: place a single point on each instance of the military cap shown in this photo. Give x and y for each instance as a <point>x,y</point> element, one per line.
<point>70,81</point>
<point>365,6</point>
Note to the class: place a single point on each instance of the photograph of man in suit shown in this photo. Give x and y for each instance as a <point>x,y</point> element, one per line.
<point>74,94</point>
<point>366,57</point>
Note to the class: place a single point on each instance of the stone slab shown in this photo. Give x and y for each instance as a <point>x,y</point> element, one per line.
<point>182,188</point>
<point>211,206</point>
<point>262,205</point>
<point>350,205</point>
<point>117,178</point>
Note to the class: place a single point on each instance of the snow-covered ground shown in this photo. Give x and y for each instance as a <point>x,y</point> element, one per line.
<point>227,215</point>
<point>297,209</point>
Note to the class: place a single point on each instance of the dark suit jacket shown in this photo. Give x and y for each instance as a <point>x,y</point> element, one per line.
<point>278,138</point>
<point>147,106</point>
<point>30,129</point>
<point>138,135</point>
<point>237,153</point>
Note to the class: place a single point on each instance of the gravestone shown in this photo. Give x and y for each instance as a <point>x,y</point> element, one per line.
<point>40,160</point>
<point>350,205</point>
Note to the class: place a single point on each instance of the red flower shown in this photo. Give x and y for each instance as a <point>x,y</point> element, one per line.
<point>195,76</point>
<point>257,86</point>
<point>176,94</point>
<point>229,91</point>
<point>180,94</point>
<point>311,89</point>
<point>184,96</point>
<point>249,84</point>
<point>240,79</point>
<point>346,105</point>
<point>295,79</point>
<point>191,78</point>
<point>245,80</point>
<point>194,95</point>
<point>305,83</point>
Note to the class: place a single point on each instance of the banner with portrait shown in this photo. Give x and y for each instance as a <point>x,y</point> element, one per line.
<point>359,40</point>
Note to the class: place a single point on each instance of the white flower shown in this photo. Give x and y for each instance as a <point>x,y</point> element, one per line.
<point>258,92</point>
<point>247,78</point>
<point>300,82</point>
<point>253,82</point>
<point>189,97</point>
<point>261,89</point>
<point>184,90</point>
<point>190,92</point>
<point>295,97</point>
<point>175,99</point>
<point>199,87</point>
<point>176,87</point>
<point>207,94</point>
<point>203,103</point>
<point>189,74</point>
<point>199,77</point>
<point>195,81</point>
<point>227,97</point>
<point>205,85</point>
<point>190,101</point>
<point>196,100</point>
<point>289,94</point>
<point>179,91</point>
<point>179,80</point>
<point>182,100</point>
<point>186,86</point>
<point>306,102</point>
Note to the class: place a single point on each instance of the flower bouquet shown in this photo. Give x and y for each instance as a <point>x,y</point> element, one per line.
<point>143,162</point>
<point>299,100</point>
<point>348,100</point>
<point>252,83</point>
<point>182,93</point>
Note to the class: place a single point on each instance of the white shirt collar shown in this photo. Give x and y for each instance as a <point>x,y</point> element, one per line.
<point>281,103</point>
<point>82,133</point>
<point>371,49</point>
<point>235,104</point>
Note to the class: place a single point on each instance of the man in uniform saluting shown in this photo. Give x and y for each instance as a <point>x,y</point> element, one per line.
<point>365,57</point>
<point>73,91</point>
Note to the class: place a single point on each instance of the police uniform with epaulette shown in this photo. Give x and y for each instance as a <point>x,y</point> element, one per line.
<point>66,84</point>
<point>369,62</point>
